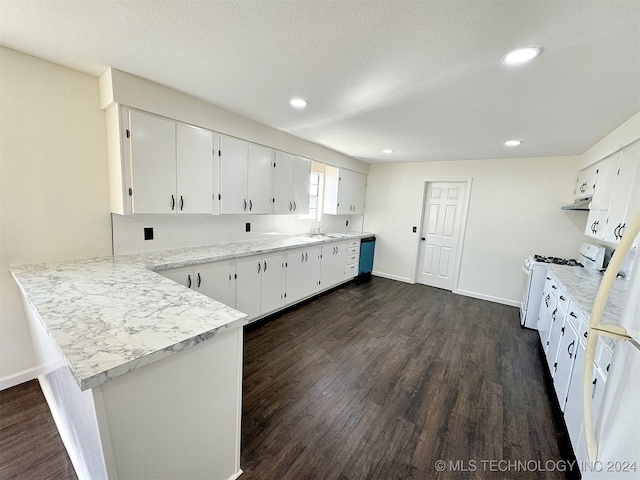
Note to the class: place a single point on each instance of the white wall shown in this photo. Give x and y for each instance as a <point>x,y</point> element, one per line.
<point>133,91</point>
<point>514,211</point>
<point>54,200</point>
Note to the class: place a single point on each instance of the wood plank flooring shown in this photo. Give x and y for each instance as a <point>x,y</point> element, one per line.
<point>382,380</point>
<point>373,381</point>
<point>30,446</point>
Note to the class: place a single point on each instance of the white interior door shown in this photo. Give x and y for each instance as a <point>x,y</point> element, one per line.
<point>441,229</point>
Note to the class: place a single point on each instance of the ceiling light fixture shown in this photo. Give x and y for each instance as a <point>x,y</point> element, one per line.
<point>387,150</point>
<point>513,143</point>
<point>299,103</point>
<point>521,55</point>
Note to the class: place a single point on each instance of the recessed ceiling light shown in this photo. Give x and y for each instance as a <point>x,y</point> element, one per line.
<point>513,143</point>
<point>521,55</point>
<point>387,150</point>
<point>299,103</point>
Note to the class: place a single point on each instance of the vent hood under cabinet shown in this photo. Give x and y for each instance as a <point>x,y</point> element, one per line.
<point>579,204</point>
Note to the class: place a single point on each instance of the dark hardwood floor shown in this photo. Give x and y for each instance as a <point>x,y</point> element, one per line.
<point>30,446</point>
<point>373,381</point>
<point>382,380</point>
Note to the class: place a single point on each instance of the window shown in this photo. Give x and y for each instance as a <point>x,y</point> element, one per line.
<point>315,197</point>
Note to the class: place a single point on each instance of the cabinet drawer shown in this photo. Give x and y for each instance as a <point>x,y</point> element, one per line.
<point>563,299</point>
<point>575,317</point>
<point>354,243</point>
<point>352,259</point>
<point>603,356</point>
<point>583,331</point>
<point>353,250</point>
<point>352,270</point>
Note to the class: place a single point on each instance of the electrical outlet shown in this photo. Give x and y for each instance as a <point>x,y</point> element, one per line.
<point>148,233</point>
<point>247,227</point>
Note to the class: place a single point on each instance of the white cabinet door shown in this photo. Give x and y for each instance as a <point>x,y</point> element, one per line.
<point>153,164</point>
<point>585,185</point>
<point>345,192</point>
<point>248,286</point>
<point>573,410</point>
<point>327,266</point>
<point>273,283</point>
<point>300,185</point>
<point>233,175</point>
<point>547,306</point>
<point>632,153</point>
<point>565,363</point>
<point>260,179</point>
<point>294,290</point>
<point>619,200</point>
<point>359,187</point>
<point>555,338</point>
<point>311,271</point>
<point>283,202</point>
<point>195,162</point>
<point>183,275</point>
<point>216,280</point>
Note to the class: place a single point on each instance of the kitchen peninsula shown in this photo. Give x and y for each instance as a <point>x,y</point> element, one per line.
<point>95,323</point>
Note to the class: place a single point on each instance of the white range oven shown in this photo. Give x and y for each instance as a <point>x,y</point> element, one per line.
<point>591,256</point>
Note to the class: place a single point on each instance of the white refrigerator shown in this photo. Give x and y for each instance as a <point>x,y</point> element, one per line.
<point>612,432</point>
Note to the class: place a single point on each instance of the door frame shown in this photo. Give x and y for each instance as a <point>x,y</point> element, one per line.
<point>425,181</point>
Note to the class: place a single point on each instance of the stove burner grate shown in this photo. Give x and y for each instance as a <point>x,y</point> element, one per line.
<point>558,261</point>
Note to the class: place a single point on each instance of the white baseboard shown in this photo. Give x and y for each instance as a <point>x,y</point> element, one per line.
<point>392,277</point>
<point>489,298</point>
<point>19,377</point>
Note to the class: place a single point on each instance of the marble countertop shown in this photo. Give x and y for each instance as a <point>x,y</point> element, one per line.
<point>582,286</point>
<point>112,315</point>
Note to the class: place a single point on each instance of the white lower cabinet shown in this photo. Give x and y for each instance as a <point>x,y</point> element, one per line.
<point>303,273</point>
<point>273,283</point>
<point>262,284</point>
<point>565,363</point>
<point>333,263</point>
<point>547,307</point>
<point>215,280</point>
<point>555,338</point>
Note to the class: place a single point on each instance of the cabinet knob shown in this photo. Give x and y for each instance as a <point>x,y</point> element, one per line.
<point>181,202</point>
<point>173,202</point>
<point>189,281</point>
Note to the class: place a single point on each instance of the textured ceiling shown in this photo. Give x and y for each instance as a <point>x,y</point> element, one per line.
<point>423,78</point>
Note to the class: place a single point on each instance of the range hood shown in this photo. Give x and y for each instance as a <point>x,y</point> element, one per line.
<point>583,203</point>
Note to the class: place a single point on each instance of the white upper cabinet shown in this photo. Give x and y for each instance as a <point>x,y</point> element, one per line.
<point>246,177</point>
<point>233,175</point>
<point>300,187</point>
<point>172,166</point>
<point>616,218</point>
<point>344,191</point>
<point>291,184</point>
<point>260,179</point>
<point>586,182</point>
<point>196,163</point>
<point>153,164</point>
<point>617,194</point>
<point>359,187</point>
